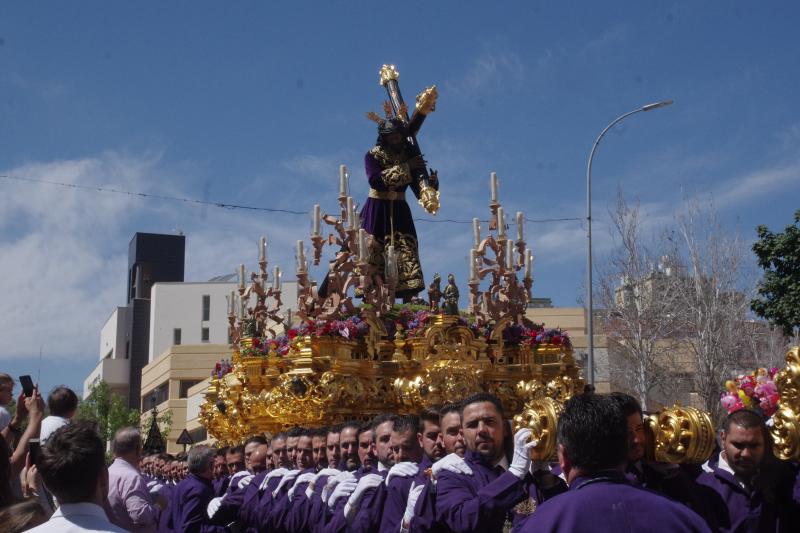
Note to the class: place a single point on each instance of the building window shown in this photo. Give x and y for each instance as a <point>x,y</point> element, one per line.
<point>176,336</point>
<point>206,307</point>
<point>156,396</point>
<point>204,334</point>
<point>185,385</point>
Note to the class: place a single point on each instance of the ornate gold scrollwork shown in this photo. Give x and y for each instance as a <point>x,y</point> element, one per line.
<point>679,435</point>
<point>541,416</point>
<point>786,420</point>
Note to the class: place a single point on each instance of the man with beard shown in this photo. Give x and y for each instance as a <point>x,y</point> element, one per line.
<point>332,450</point>
<point>483,500</point>
<point>342,450</point>
<point>318,445</point>
<point>295,479</point>
<point>366,480</point>
<point>221,478</point>
<point>753,493</point>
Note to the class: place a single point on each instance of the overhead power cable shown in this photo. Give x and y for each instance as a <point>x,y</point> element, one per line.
<point>225,205</point>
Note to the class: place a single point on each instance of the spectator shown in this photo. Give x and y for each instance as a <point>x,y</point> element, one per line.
<point>63,404</point>
<point>72,465</point>
<point>192,495</point>
<point>22,516</point>
<point>129,503</point>
<point>6,396</point>
<point>12,463</point>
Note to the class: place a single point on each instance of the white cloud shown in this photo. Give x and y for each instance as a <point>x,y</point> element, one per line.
<point>759,183</point>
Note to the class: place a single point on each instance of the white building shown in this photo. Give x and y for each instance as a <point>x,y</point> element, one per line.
<point>114,365</point>
<point>181,313</point>
<point>195,313</point>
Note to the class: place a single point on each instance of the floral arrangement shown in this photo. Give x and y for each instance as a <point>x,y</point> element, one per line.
<point>221,368</point>
<point>753,391</point>
<point>351,328</point>
<point>521,335</point>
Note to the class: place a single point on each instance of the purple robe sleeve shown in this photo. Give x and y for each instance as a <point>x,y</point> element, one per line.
<point>370,510</point>
<point>464,505</point>
<point>394,506</point>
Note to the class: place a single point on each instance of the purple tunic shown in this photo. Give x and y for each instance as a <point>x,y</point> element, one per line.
<point>276,519</point>
<point>336,521</point>
<point>479,502</point>
<point>248,509</point>
<point>189,503</point>
<point>394,505</point>
<point>380,216</point>
<point>610,503</point>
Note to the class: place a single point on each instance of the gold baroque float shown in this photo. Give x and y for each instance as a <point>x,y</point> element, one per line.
<point>785,428</point>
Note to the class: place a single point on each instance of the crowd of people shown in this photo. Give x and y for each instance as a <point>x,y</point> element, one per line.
<point>454,468</point>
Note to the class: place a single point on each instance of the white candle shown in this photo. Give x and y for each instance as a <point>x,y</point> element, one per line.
<point>243,314</point>
<point>356,219</point>
<point>235,304</point>
<point>391,271</point>
<point>262,249</point>
<point>362,244</point>
<point>241,276</point>
<point>501,223</point>
<point>528,263</point>
<point>350,213</point>
<point>315,230</point>
<point>520,223</point>
<point>473,267</point>
<point>301,258</point>
<point>342,180</point>
<point>276,278</point>
<point>476,231</point>
<point>493,186</point>
<point>232,303</point>
<point>509,255</point>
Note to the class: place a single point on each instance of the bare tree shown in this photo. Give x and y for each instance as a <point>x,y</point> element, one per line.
<point>713,299</point>
<point>638,303</point>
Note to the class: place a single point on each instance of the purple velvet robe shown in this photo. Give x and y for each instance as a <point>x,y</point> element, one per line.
<point>379,217</point>
<point>189,504</point>
<point>221,485</point>
<point>610,503</point>
<point>317,510</point>
<point>276,519</point>
<point>479,502</point>
<point>248,508</point>
<point>394,502</point>
<point>305,513</point>
<point>336,521</point>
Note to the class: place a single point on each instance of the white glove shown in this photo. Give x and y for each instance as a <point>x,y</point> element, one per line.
<point>404,469</point>
<point>521,461</point>
<point>452,463</point>
<point>413,496</point>
<point>343,488</point>
<point>272,475</point>
<point>214,505</point>
<point>370,481</point>
<point>236,478</point>
<point>327,472</point>
<point>244,481</point>
<point>289,476</point>
<point>308,477</point>
<point>332,481</point>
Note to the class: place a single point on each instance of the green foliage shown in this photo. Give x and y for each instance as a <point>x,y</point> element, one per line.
<point>779,292</point>
<point>108,410</point>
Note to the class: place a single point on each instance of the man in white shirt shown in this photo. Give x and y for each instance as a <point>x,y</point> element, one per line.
<point>72,465</point>
<point>129,503</point>
<point>63,403</point>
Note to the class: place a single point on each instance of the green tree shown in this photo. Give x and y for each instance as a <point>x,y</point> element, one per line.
<point>108,410</point>
<point>778,254</point>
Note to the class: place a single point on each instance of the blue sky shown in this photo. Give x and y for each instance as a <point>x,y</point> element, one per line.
<point>257,103</point>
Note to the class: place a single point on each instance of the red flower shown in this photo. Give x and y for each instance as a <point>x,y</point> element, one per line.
<point>292,333</point>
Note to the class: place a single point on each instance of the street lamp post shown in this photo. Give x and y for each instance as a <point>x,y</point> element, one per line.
<point>590,310</point>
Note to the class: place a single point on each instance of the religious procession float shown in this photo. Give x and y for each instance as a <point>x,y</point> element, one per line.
<point>362,342</point>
